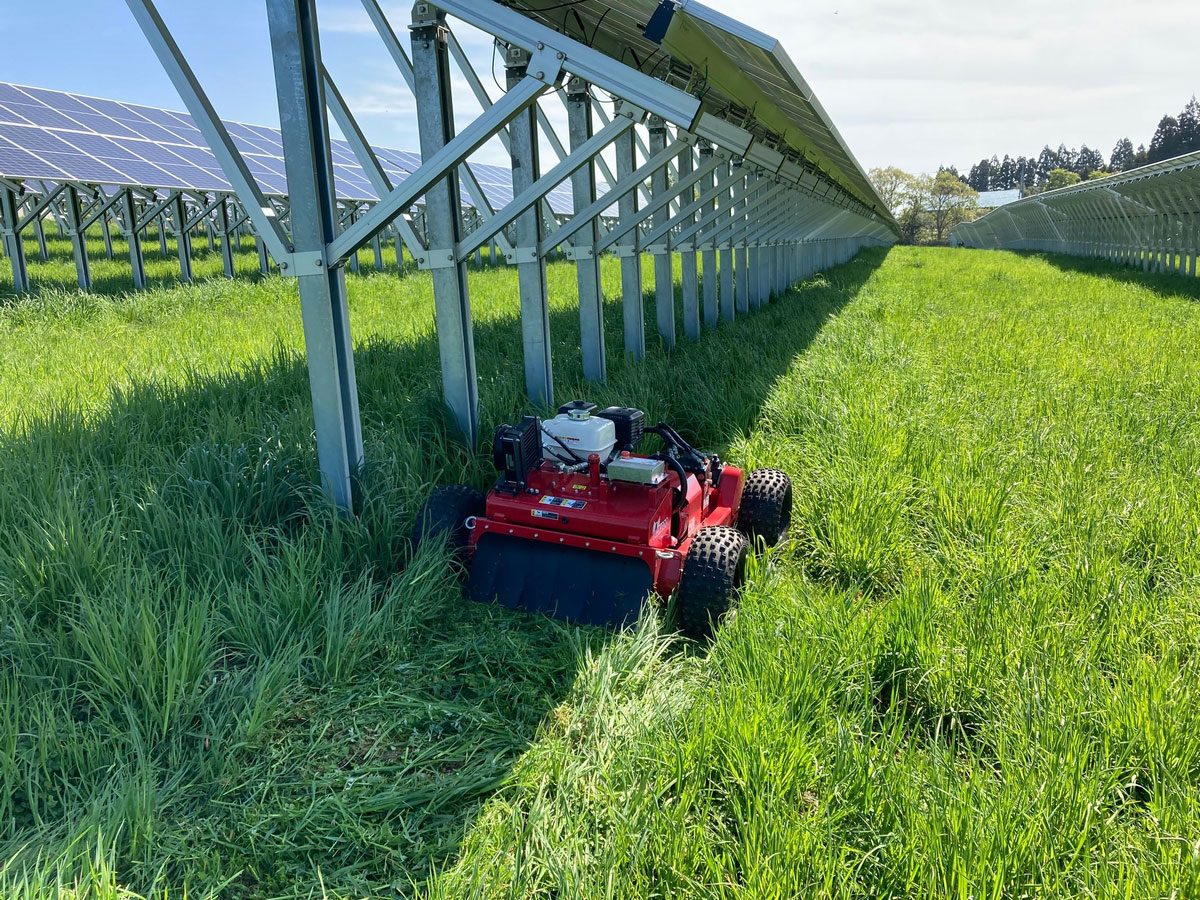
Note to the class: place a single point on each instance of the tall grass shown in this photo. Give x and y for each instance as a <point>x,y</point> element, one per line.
<point>971,672</point>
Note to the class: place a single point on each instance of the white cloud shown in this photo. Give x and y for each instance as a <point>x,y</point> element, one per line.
<point>926,82</point>
<point>922,82</point>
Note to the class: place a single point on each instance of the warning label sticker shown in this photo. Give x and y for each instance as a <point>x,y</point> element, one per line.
<point>565,502</point>
<point>544,514</point>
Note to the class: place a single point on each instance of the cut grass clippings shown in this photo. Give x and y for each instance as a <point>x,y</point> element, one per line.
<point>971,671</point>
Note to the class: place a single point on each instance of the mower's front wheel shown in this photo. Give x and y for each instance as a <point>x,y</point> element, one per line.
<point>444,515</point>
<point>713,573</point>
<point>766,510</point>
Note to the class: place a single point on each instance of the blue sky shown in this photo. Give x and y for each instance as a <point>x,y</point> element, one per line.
<point>913,83</point>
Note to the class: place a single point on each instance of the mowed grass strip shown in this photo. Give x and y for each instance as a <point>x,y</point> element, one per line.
<point>970,672</point>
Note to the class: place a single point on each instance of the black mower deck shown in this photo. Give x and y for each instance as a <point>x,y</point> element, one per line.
<point>583,586</point>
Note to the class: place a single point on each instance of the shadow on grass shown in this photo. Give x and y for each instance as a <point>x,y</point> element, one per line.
<point>374,776</point>
<point>1162,283</point>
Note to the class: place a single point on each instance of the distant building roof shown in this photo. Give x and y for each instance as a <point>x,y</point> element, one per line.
<point>992,199</point>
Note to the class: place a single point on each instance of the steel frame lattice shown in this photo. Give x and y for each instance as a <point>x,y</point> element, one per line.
<point>757,191</point>
<point>1147,217</point>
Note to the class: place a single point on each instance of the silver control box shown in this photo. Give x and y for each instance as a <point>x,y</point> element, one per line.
<point>637,470</point>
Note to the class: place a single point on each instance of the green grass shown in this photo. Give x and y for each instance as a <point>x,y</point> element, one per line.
<point>971,672</point>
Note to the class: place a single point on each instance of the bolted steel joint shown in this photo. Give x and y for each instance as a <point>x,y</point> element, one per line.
<point>577,88</point>
<point>516,57</point>
<point>426,15</point>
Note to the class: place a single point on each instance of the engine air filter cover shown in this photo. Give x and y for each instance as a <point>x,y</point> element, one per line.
<point>630,423</point>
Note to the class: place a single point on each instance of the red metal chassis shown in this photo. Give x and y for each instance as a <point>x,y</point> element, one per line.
<point>589,511</point>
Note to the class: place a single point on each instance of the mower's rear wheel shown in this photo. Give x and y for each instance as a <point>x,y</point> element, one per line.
<point>713,573</point>
<point>766,510</point>
<point>444,515</point>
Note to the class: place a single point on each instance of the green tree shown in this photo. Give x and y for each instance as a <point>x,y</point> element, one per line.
<point>980,176</point>
<point>1165,143</point>
<point>949,200</point>
<point>892,184</point>
<point>1122,156</point>
<point>1006,178</point>
<point>1189,127</point>
<point>1087,161</point>
<point>915,203</point>
<point>1046,161</point>
<point>1061,178</point>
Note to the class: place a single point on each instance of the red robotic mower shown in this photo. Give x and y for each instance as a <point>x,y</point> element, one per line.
<point>582,527</point>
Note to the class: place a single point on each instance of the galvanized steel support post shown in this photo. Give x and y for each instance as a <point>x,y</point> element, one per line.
<point>377,252</point>
<point>83,271</point>
<point>689,289</point>
<point>443,221</point>
<point>296,54</point>
<point>39,232</point>
<point>531,265</point>
<point>133,240</point>
<point>183,240</point>
<point>14,249</point>
<point>664,278</point>
<point>353,263</point>
<point>632,300</point>
<point>105,234</point>
<point>741,248</point>
<point>583,242</point>
<point>708,255</point>
<point>224,231</point>
<point>726,261</point>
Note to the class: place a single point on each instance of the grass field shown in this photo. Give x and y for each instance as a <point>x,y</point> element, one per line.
<point>972,671</point>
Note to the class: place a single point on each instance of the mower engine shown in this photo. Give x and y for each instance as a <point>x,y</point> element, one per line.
<point>584,527</point>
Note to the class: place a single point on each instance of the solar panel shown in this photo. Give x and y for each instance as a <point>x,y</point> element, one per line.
<point>80,167</point>
<point>104,125</point>
<point>13,159</point>
<point>742,72</point>
<point>53,134</point>
<point>43,115</point>
<point>95,145</point>
<point>35,140</point>
<point>148,150</point>
<point>143,173</point>
<point>9,93</point>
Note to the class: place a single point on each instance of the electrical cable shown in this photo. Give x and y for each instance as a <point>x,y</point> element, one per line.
<point>494,78</point>
<point>570,452</point>
<point>599,22</point>
<point>552,8</point>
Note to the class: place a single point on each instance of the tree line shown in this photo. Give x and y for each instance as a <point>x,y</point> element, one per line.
<point>1049,169</point>
<point>925,206</point>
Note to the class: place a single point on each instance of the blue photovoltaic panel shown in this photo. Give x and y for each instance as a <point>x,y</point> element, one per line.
<point>10,93</point>
<point>143,173</point>
<point>82,168</point>
<point>95,145</point>
<point>33,139</point>
<point>148,150</point>
<point>18,160</point>
<point>104,125</point>
<point>52,134</point>
<point>7,115</point>
<point>43,115</point>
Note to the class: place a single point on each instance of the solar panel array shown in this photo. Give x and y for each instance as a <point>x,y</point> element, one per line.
<point>742,72</point>
<point>59,136</point>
